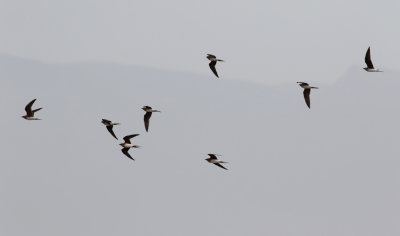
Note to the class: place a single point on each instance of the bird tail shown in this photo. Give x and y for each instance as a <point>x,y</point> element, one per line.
<point>314,87</point>
<point>116,123</point>
<point>220,60</point>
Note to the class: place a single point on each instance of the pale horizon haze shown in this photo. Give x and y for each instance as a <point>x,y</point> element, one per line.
<point>270,42</point>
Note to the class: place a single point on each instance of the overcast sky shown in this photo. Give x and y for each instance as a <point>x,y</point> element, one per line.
<point>330,170</point>
<point>264,41</point>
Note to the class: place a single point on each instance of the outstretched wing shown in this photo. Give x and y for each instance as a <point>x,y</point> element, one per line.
<point>368,59</point>
<point>125,151</point>
<point>212,67</point>
<point>28,108</point>
<point>217,164</point>
<point>36,110</point>
<point>110,129</point>
<point>128,137</point>
<point>213,156</point>
<point>306,93</point>
<point>147,120</point>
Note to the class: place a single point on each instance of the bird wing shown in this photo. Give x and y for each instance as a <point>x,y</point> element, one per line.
<point>128,137</point>
<point>147,120</point>
<point>28,108</point>
<point>217,164</point>
<point>36,110</point>
<point>212,67</point>
<point>306,93</point>
<point>110,129</point>
<point>213,156</point>
<point>125,151</point>
<point>368,59</point>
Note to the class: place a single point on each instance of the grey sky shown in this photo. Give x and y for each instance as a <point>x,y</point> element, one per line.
<point>332,170</point>
<point>264,41</point>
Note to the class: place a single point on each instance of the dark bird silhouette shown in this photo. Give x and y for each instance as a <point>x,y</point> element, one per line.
<point>214,160</point>
<point>368,61</point>
<point>29,112</point>
<point>213,62</point>
<point>109,125</point>
<point>128,145</point>
<point>306,92</point>
<point>147,116</point>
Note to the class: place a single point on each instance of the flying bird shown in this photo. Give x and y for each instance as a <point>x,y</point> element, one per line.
<point>147,116</point>
<point>109,125</point>
<point>306,92</point>
<point>368,61</point>
<point>29,112</point>
<point>127,145</point>
<point>213,62</point>
<point>214,160</point>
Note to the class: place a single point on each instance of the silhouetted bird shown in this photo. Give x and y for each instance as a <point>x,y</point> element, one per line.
<point>109,125</point>
<point>127,145</point>
<point>306,92</point>
<point>213,62</point>
<point>147,116</point>
<point>368,61</point>
<point>213,159</point>
<point>29,112</point>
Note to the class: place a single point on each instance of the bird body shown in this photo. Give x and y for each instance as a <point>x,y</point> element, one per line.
<point>127,145</point>
<point>149,111</point>
<point>30,118</point>
<point>213,58</point>
<point>214,160</point>
<point>372,70</point>
<point>306,92</point>
<point>213,62</point>
<point>368,61</point>
<point>29,112</point>
<point>109,125</point>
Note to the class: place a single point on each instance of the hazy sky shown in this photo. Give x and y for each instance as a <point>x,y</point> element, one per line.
<point>265,41</point>
<point>330,170</point>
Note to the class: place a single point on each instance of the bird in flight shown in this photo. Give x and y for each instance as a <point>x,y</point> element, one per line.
<point>213,62</point>
<point>109,125</point>
<point>29,112</point>
<point>306,92</point>
<point>147,116</point>
<point>368,61</point>
<point>214,160</point>
<point>128,145</point>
